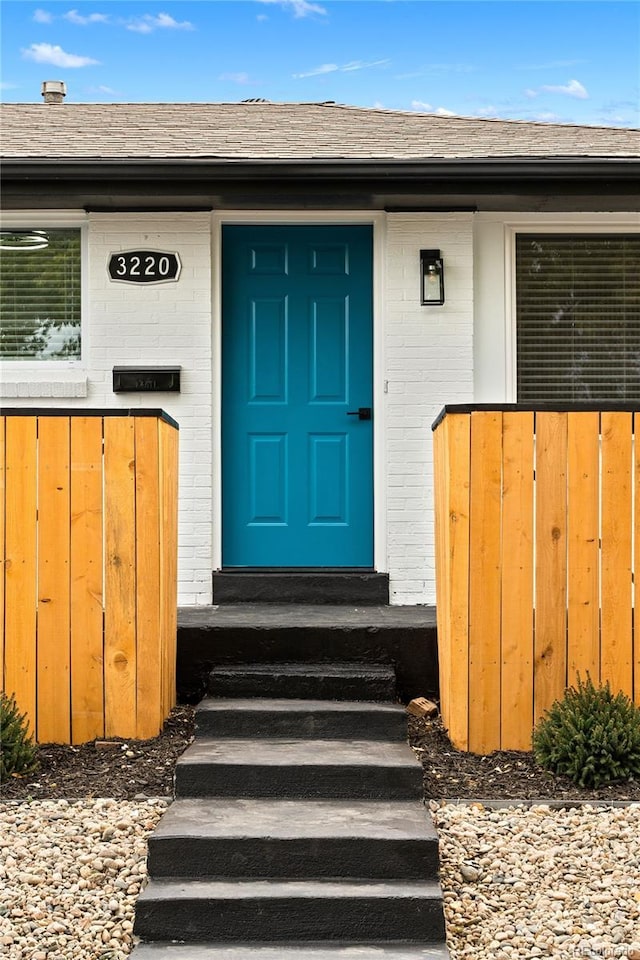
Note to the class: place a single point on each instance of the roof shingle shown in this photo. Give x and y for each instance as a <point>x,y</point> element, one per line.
<point>242,132</point>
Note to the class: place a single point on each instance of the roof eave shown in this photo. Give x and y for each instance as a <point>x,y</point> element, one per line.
<point>67,168</point>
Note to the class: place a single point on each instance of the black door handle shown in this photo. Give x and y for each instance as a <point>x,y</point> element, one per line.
<point>362,413</point>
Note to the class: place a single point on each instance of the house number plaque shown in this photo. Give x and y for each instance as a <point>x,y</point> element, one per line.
<point>144,266</point>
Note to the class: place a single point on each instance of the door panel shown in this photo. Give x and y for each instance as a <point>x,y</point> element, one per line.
<point>297,357</point>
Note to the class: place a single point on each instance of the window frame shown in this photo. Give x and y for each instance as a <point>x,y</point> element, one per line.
<point>569,226</point>
<point>55,220</point>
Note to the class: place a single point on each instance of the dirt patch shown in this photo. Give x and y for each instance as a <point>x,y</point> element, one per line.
<point>136,768</point>
<point>128,770</point>
<point>503,775</point>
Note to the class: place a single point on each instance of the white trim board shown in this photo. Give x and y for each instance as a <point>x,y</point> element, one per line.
<point>494,288</point>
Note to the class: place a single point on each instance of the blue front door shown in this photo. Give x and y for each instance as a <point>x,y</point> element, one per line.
<point>297,485</point>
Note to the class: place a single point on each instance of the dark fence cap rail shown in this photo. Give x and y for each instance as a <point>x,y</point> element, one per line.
<point>575,407</point>
<point>89,412</point>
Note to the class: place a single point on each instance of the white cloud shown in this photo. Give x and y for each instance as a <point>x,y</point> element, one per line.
<point>490,111</point>
<point>317,71</point>
<point>531,94</point>
<point>103,89</point>
<point>241,78</point>
<point>4,85</point>
<point>42,16</point>
<point>362,65</point>
<point>56,56</point>
<point>421,107</point>
<point>571,89</point>
<point>74,17</point>
<point>162,21</point>
<point>299,8</point>
<point>546,116</point>
<point>335,68</point>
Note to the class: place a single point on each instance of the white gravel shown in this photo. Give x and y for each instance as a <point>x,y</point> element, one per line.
<point>70,872</point>
<point>518,882</point>
<point>521,883</point>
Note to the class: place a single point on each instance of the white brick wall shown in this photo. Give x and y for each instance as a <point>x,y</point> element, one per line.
<point>428,362</point>
<point>168,323</point>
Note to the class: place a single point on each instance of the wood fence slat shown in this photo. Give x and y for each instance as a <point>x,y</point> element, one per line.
<point>550,665</point>
<point>120,578</point>
<point>571,570</point>
<point>168,482</point>
<point>149,715</point>
<point>457,492</point>
<point>87,653</point>
<point>54,635</point>
<point>485,581</point>
<point>441,472</point>
<point>583,551</point>
<point>21,573</point>
<point>616,644</point>
<point>636,579</point>
<point>3,502</point>
<point>516,695</point>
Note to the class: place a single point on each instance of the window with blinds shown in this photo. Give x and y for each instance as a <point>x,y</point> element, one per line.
<point>40,294</point>
<point>578,317</point>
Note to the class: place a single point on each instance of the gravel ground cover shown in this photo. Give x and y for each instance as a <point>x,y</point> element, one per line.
<point>70,873</point>
<point>521,883</point>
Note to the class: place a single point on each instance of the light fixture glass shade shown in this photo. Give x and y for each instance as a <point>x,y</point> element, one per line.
<point>23,240</point>
<point>431,278</point>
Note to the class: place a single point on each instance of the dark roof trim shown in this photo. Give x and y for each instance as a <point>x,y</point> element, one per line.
<point>605,406</point>
<point>156,208</point>
<point>90,412</point>
<point>199,169</point>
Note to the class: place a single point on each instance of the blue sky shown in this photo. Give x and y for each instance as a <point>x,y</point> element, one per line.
<point>570,62</point>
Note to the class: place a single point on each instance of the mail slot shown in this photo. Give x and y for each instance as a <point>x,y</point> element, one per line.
<point>146,379</point>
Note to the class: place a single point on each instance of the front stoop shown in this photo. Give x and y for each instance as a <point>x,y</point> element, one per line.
<point>297,830</point>
<point>298,633</point>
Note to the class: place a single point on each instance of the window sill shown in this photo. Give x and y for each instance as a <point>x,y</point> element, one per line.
<point>56,388</point>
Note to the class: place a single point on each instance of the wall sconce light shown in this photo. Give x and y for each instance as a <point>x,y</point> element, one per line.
<point>431,278</point>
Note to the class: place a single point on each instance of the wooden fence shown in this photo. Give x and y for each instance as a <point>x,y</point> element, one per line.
<point>537,544</point>
<point>88,519</point>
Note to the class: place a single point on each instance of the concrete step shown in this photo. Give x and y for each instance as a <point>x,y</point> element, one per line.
<point>285,951</point>
<point>319,681</point>
<point>289,839</point>
<point>301,586</point>
<point>309,719</point>
<point>297,769</point>
<point>268,632</point>
<point>267,911</point>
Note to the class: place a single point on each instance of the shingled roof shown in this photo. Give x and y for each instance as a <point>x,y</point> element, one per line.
<point>292,132</point>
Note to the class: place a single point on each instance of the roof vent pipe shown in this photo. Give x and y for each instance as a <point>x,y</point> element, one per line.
<point>54,91</point>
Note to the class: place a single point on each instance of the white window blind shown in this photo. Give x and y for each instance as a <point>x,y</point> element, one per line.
<point>578,317</point>
<point>40,294</point>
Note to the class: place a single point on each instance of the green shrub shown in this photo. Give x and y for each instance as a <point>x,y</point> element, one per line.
<point>590,735</point>
<point>17,750</point>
